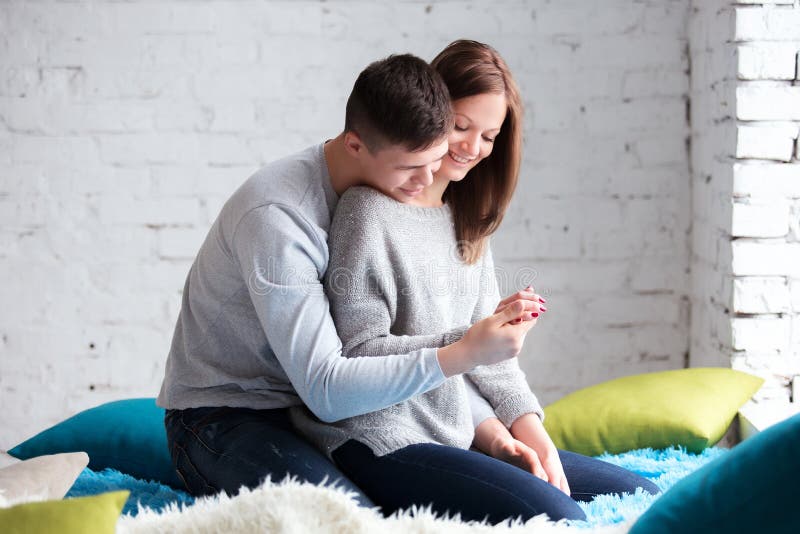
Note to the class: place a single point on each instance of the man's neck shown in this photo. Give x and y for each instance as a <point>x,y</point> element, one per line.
<point>343,169</point>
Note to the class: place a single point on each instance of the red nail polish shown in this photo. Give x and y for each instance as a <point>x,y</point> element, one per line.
<point>542,308</point>
<point>542,300</point>
<point>534,315</point>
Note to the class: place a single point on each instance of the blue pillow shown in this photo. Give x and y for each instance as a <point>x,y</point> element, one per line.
<point>127,435</point>
<point>750,489</point>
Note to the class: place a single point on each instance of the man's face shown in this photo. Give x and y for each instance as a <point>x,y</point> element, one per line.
<point>401,174</point>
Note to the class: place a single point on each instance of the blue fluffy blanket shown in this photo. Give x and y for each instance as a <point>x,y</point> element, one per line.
<point>663,466</point>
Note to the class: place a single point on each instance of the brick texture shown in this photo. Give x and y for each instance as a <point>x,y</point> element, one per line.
<point>124,126</point>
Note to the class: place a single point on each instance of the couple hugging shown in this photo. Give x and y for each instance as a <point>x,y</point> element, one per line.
<point>342,322</point>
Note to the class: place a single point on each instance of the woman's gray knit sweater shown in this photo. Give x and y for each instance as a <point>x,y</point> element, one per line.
<point>396,282</point>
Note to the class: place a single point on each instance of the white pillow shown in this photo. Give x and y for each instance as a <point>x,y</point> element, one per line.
<point>46,477</point>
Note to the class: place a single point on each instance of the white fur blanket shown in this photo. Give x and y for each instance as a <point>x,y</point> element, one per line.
<point>291,507</point>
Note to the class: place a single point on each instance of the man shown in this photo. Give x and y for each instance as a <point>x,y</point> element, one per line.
<point>254,334</point>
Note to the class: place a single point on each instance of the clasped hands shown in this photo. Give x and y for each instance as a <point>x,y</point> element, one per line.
<point>527,445</point>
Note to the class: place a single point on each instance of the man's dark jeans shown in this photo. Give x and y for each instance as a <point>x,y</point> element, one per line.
<point>218,449</point>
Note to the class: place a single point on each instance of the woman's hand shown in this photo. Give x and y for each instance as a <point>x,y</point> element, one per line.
<point>496,338</point>
<point>493,438</point>
<point>532,303</point>
<point>489,341</point>
<point>530,431</point>
<point>514,452</point>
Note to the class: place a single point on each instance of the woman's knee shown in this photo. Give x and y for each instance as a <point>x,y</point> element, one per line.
<point>542,497</point>
<point>648,486</point>
<point>589,477</point>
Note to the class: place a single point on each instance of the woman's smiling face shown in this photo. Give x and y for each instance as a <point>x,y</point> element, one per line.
<point>478,119</point>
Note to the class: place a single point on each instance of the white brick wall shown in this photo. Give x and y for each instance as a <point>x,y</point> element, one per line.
<point>768,102</point>
<point>713,139</point>
<point>769,22</point>
<point>761,295</point>
<point>766,61</point>
<point>765,243</point>
<point>760,217</point>
<point>754,178</point>
<point>125,126</point>
<point>771,142</point>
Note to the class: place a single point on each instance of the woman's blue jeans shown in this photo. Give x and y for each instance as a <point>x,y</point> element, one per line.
<point>478,486</point>
<point>222,448</point>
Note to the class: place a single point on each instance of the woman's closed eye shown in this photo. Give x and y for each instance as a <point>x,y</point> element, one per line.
<point>464,129</point>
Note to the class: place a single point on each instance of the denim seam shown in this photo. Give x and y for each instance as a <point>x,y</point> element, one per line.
<point>207,447</point>
<point>205,418</point>
<point>199,475</point>
<point>180,475</point>
<point>199,440</point>
<point>183,479</point>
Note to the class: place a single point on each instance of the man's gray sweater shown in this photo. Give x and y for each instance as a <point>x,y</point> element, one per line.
<point>395,282</point>
<point>254,329</point>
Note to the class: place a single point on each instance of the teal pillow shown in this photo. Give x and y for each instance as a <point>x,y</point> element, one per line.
<point>127,435</point>
<point>749,489</point>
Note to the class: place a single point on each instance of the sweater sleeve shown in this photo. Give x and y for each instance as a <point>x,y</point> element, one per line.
<point>283,258</point>
<point>479,407</point>
<point>360,283</point>
<point>503,384</point>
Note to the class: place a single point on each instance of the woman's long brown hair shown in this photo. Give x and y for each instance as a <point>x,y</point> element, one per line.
<point>480,200</point>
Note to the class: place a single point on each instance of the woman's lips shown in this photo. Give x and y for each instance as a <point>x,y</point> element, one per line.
<point>461,161</point>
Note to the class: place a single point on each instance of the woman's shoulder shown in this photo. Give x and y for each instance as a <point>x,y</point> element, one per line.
<point>364,198</point>
<point>370,206</point>
<point>361,209</point>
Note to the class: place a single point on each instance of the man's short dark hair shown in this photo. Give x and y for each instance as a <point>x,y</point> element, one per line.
<point>399,100</point>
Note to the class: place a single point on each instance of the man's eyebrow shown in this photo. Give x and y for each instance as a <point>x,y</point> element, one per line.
<point>409,167</point>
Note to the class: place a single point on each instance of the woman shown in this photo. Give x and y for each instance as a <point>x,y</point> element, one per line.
<point>414,260</point>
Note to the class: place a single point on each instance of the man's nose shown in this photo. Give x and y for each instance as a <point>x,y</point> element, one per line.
<point>425,176</point>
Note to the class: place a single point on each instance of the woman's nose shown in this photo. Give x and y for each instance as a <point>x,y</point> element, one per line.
<point>472,145</point>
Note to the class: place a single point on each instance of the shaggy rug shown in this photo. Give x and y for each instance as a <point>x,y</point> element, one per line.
<point>290,506</point>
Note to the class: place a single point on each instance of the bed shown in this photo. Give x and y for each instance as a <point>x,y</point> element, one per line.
<point>662,466</point>
<point>671,427</point>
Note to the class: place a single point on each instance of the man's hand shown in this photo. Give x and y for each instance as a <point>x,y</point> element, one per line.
<point>529,430</point>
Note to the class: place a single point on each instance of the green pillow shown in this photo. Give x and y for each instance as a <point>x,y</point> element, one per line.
<point>127,435</point>
<point>79,515</point>
<point>749,489</point>
<point>690,407</point>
